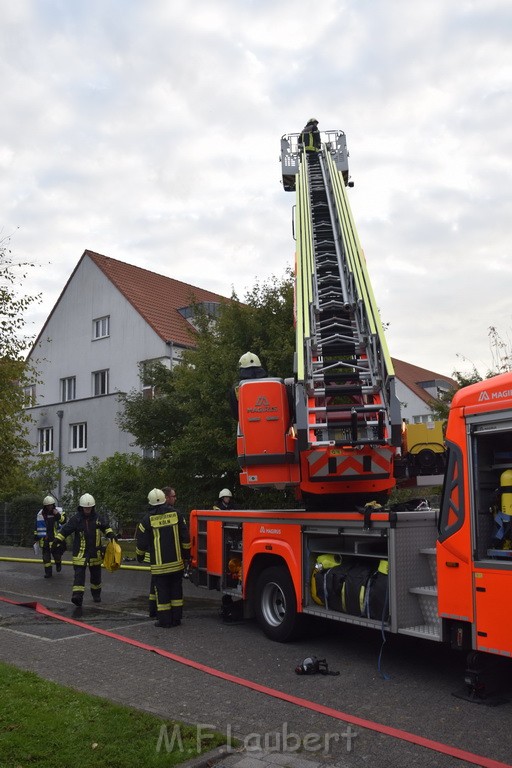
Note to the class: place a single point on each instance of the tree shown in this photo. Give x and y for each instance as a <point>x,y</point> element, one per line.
<point>29,476</point>
<point>501,362</point>
<point>119,484</point>
<point>188,421</point>
<point>501,352</point>
<point>14,373</point>
<point>441,406</point>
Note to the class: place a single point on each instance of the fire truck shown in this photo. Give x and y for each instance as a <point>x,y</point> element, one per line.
<point>332,433</point>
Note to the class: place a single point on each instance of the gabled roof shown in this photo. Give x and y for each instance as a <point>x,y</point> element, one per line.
<point>155,297</point>
<point>412,375</point>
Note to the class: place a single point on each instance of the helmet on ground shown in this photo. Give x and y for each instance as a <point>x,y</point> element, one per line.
<point>156,497</point>
<point>249,360</point>
<point>86,500</point>
<point>48,500</point>
<point>225,492</point>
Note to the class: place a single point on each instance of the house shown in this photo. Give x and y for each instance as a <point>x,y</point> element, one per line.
<point>416,388</point>
<point>110,319</point>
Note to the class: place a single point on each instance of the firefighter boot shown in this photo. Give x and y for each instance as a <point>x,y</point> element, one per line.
<point>47,571</point>
<point>58,566</point>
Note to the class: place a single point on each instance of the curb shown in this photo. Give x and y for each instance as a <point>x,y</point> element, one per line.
<point>209,759</point>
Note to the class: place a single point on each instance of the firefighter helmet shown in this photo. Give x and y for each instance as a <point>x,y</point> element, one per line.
<point>249,360</point>
<point>225,492</point>
<point>86,500</point>
<point>156,497</point>
<point>48,500</point>
<point>313,120</point>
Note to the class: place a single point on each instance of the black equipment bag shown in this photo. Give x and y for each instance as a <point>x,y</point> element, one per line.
<point>377,597</point>
<point>354,589</point>
<point>329,585</point>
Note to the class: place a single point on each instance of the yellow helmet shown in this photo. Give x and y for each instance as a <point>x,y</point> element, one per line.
<point>249,360</point>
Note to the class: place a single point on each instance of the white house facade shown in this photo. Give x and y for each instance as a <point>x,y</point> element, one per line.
<point>110,318</point>
<point>416,388</point>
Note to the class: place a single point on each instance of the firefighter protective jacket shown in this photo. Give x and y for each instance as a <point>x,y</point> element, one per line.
<point>47,524</point>
<point>310,137</point>
<point>163,532</point>
<point>86,531</point>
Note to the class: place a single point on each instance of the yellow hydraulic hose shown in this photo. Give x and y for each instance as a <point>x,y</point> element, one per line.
<point>67,562</point>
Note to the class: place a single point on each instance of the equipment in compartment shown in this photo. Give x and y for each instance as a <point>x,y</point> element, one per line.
<point>353,586</point>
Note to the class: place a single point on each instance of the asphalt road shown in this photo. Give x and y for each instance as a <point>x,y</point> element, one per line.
<point>413,691</point>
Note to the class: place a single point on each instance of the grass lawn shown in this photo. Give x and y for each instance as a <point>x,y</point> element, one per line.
<point>45,725</point>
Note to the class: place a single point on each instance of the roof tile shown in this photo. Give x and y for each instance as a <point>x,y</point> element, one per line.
<point>155,297</point>
<point>411,375</point>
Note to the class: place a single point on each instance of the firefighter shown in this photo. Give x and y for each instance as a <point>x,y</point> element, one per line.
<point>86,528</point>
<point>170,499</point>
<point>310,136</point>
<point>48,521</point>
<point>163,532</point>
<point>249,367</point>
<point>225,500</point>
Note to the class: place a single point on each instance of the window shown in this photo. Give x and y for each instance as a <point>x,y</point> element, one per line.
<point>100,383</point>
<point>78,437</point>
<point>68,389</point>
<point>209,308</point>
<point>29,394</point>
<point>45,440</point>
<point>101,327</point>
<point>425,419</point>
<point>150,453</point>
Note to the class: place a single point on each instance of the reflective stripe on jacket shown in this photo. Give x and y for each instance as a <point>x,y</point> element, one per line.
<point>86,532</point>
<point>163,532</point>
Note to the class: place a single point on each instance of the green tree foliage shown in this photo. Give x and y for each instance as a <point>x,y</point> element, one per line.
<point>441,407</point>
<point>188,421</point>
<point>14,374</point>
<point>119,484</point>
<point>21,516</point>
<point>38,477</point>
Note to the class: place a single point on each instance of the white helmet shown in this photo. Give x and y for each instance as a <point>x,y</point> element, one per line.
<point>86,500</point>
<point>156,497</point>
<point>249,360</point>
<point>48,500</point>
<point>225,492</point>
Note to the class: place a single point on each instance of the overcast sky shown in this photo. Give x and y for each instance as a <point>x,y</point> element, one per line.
<point>149,131</point>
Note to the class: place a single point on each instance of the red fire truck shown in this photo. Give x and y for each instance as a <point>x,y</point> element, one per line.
<point>332,432</point>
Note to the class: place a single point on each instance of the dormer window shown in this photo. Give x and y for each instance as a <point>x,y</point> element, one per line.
<point>210,308</point>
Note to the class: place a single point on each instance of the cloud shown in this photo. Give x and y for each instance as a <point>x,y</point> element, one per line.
<point>149,131</point>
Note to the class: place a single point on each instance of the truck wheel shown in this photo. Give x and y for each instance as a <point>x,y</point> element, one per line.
<point>427,461</point>
<point>276,605</point>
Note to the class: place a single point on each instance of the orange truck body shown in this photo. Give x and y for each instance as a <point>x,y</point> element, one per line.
<point>448,579</point>
<point>332,433</point>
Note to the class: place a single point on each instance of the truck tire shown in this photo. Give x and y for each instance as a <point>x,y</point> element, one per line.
<point>276,604</point>
<point>426,461</point>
